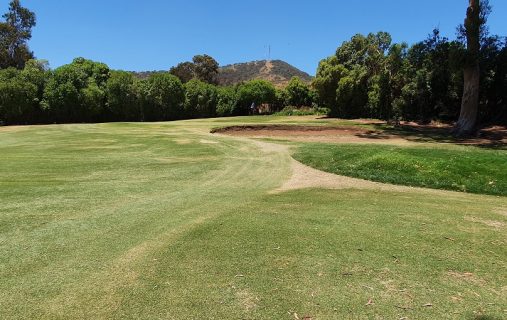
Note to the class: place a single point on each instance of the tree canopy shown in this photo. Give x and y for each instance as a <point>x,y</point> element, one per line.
<point>15,32</point>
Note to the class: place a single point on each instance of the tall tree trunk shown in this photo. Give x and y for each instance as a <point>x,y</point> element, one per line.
<point>470,102</point>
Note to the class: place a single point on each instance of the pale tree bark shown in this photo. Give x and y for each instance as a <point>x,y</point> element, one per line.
<point>467,122</point>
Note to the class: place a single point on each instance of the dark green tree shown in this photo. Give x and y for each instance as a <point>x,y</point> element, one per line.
<point>163,97</point>
<point>200,99</point>
<point>255,91</point>
<point>123,97</point>
<point>227,101</point>
<point>77,92</point>
<point>185,71</point>
<point>298,93</point>
<point>18,98</point>
<point>15,32</point>
<point>205,68</point>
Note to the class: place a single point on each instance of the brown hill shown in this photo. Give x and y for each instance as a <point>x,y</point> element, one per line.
<point>276,71</point>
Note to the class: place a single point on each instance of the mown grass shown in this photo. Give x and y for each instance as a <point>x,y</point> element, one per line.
<point>165,221</point>
<point>458,168</point>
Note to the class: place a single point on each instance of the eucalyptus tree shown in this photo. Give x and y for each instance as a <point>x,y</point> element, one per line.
<point>15,32</point>
<point>473,27</point>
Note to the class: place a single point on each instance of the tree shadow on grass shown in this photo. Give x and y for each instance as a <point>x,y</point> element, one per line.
<point>489,138</point>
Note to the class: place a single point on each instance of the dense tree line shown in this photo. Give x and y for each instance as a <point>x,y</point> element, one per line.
<point>368,76</point>
<point>88,91</point>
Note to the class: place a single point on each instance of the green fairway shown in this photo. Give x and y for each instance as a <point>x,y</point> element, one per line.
<point>460,168</point>
<point>167,221</point>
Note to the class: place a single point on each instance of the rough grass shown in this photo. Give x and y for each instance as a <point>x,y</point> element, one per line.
<point>154,221</point>
<point>459,168</point>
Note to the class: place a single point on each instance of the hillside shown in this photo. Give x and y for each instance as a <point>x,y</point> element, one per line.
<point>276,71</point>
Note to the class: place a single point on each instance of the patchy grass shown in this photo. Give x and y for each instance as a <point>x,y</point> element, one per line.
<point>164,220</point>
<point>458,168</point>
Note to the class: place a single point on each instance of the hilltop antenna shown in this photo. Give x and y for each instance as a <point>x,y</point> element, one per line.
<point>269,52</point>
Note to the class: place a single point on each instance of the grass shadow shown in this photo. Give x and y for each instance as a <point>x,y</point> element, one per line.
<point>495,138</point>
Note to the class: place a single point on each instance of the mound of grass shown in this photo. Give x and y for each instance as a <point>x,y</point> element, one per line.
<point>467,169</point>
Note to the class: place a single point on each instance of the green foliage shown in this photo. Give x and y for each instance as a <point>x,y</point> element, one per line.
<point>18,98</point>
<point>432,81</point>
<point>227,101</point>
<point>298,93</point>
<point>281,99</point>
<point>205,68</point>
<point>356,81</point>
<point>352,94</point>
<point>77,92</point>
<point>21,93</point>
<point>370,77</point>
<point>200,99</point>
<point>302,111</point>
<point>255,91</point>
<point>15,32</point>
<point>123,96</point>
<point>163,97</point>
<point>184,71</point>
<point>468,169</point>
<point>326,82</point>
<point>202,67</point>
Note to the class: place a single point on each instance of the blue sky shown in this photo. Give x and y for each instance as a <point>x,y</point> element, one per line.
<point>157,34</point>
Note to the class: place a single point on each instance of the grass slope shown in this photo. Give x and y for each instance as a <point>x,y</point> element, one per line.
<point>458,168</point>
<point>164,221</point>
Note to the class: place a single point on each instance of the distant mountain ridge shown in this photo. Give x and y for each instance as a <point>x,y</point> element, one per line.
<point>277,72</point>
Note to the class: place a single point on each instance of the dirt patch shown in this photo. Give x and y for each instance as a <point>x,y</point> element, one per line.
<point>466,277</point>
<point>501,211</point>
<point>406,133</point>
<point>183,141</point>
<point>11,128</point>
<point>271,147</point>
<point>288,128</point>
<point>330,134</point>
<point>490,223</point>
<point>247,300</point>
<point>203,141</point>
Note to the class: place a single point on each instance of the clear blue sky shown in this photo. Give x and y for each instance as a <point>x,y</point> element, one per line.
<point>157,34</point>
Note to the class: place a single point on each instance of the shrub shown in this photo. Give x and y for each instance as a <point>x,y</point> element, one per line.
<point>200,99</point>
<point>298,93</point>
<point>255,91</point>
<point>163,97</point>
<point>123,101</point>
<point>303,111</point>
<point>76,92</point>
<point>227,101</point>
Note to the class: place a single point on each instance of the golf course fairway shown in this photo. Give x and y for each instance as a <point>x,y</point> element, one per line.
<point>169,221</point>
